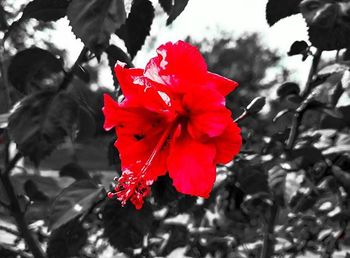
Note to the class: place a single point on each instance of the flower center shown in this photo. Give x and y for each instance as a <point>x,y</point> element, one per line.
<point>136,186</point>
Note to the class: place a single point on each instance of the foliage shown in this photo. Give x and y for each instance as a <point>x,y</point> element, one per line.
<point>285,195</point>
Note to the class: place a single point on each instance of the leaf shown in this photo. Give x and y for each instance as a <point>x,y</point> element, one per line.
<point>298,48</point>
<point>94,21</point>
<point>32,191</point>
<point>306,156</point>
<point>75,200</point>
<point>176,10</point>
<point>137,26</point>
<point>42,10</point>
<point>45,10</point>
<point>279,9</point>
<point>42,121</point>
<point>277,182</point>
<point>34,69</point>
<point>125,227</point>
<point>166,5</point>
<point>116,54</point>
<point>328,24</point>
<point>288,88</point>
<point>75,171</point>
<point>252,180</point>
<point>67,241</point>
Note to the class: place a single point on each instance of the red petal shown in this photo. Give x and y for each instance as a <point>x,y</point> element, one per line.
<point>176,65</point>
<point>222,84</point>
<point>228,144</point>
<point>208,116</point>
<point>128,79</point>
<point>191,166</point>
<point>110,111</point>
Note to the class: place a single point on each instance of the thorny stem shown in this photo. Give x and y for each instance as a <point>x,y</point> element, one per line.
<point>269,240</point>
<point>69,76</point>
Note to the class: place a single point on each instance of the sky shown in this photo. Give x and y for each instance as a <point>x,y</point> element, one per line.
<point>205,19</point>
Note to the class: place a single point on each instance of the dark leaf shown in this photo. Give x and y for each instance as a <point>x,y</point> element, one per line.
<point>41,122</point>
<point>67,240</point>
<point>252,180</point>
<point>45,10</point>
<point>328,24</point>
<point>277,181</point>
<point>277,10</point>
<point>306,156</point>
<point>298,48</point>
<point>288,88</point>
<point>75,200</point>
<point>34,69</point>
<point>115,54</point>
<point>256,105</point>
<point>42,10</point>
<point>94,22</point>
<point>176,10</point>
<point>75,171</point>
<point>137,26</point>
<point>166,5</point>
<point>125,227</point>
<point>32,191</point>
<point>301,201</point>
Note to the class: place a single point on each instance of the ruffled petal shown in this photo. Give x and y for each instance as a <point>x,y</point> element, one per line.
<point>222,84</point>
<point>177,65</point>
<point>228,144</point>
<point>191,166</point>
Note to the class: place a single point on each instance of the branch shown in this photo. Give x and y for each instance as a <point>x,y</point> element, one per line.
<point>297,118</point>
<point>69,76</point>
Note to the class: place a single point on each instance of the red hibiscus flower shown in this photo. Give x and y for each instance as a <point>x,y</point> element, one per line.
<point>173,119</point>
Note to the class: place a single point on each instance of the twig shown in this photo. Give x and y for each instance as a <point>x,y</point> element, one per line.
<point>297,118</point>
<point>312,72</point>
<point>69,76</point>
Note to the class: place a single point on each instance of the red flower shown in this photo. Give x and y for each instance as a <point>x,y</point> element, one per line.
<point>174,119</point>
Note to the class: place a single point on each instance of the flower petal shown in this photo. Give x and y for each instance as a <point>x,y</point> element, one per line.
<point>222,84</point>
<point>128,79</point>
<point>208,116</point>
<point>110,111</point>
<point>228,144</point>
<point>177,65</point>
<point>191,166</point>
